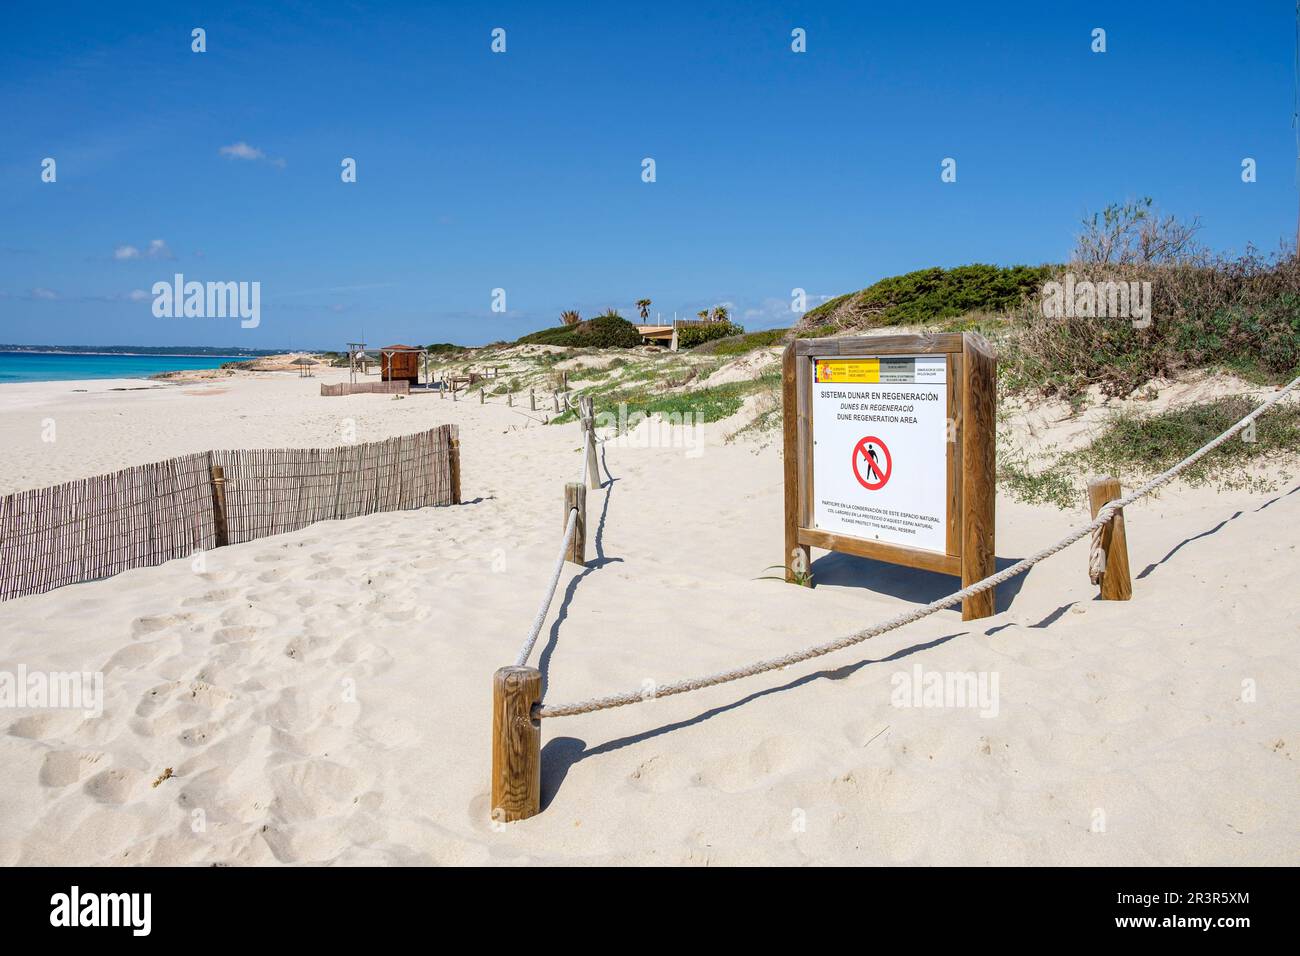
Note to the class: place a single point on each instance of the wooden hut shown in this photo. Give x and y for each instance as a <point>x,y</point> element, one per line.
<point>401,363</point>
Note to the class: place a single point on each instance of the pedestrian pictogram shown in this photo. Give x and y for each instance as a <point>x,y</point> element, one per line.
<point>872,463</point>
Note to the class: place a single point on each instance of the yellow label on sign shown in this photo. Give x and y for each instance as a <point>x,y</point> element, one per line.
<point>862,371</point>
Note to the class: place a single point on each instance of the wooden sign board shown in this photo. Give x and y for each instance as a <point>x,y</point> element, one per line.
<point>890,453</point>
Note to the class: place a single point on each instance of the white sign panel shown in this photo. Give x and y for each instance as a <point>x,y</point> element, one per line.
<point>880,448</point>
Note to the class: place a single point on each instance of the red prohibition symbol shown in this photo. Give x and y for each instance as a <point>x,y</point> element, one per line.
<point>872,463</point>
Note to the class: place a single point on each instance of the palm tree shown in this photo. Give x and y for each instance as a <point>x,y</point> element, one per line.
<point>570,317</point>
<point>703,314</point>
<point>720,314</point>
<point>644,306</point>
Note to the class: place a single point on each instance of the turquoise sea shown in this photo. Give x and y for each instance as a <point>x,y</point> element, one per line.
<point>62,366</point>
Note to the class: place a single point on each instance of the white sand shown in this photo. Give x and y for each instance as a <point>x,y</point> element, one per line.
<point>323,696</point>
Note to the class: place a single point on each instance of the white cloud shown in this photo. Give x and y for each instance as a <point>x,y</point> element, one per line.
<point>43,294</point>
<point>242,150</point>
<point>138,295</point>
<point>157,249</point>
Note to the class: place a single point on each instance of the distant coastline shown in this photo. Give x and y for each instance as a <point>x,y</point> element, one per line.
<point>174,350</point>
<point>61,365</point>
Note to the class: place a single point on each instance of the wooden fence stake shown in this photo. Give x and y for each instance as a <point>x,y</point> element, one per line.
<point>1115,582</point>
<point>453,393</point>
<point>453,461</point>
<point>516,744</point>
<point>575,496</point>
<point>481,395</point>
<point>587,409</point>
<point>510,399</point>
<point>222,536</point>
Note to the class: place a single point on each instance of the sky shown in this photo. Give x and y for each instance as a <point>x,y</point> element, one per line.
<point>522,170</point>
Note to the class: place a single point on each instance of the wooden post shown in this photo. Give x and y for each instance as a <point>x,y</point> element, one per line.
<point>442,389</point>
<point>587,409</point>
<point>510,399</point>
<point>454,398</point>
<point>575,496</point>
<point>532,400</point>
<point>555,399</point>
<point>979,467</point>
<point>1115,582</point>
<point>482,392</point>
<point>516,744</point>
<point>795,553</point>
<point>222,531</point>
<point>453,461</point>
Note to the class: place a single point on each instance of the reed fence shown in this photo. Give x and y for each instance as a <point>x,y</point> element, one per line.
<point>142,516</point>
<point>402,387</point>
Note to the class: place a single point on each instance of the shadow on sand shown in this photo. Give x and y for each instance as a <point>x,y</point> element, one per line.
<point>560,753</point>
<point>908,584</point>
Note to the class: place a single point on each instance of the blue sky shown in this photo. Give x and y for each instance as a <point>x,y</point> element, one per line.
<point>522,170</point>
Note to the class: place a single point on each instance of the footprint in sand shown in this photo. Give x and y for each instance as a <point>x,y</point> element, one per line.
<point>247,615</point>
<point>117,785</point>
<point>47,726</point>
<point>143,626</point>
<point>235,634</point>
<point>136,655</point>
<point>218,596</point>
<point>63,767</point>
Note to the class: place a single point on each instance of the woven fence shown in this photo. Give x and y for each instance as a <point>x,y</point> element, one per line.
<point>142,516</point>
<point>402,387</point>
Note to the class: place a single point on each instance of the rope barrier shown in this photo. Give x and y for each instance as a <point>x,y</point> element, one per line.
<point>570,527</point>
<point>1020,567</point>
<point>540,619</point>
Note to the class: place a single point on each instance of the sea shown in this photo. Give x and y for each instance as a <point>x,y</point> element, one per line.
<point>64,366</point>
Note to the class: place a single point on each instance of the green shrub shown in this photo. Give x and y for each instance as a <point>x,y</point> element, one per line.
<point>609,331</point>
<point>740,344</point>
<point>692,335</point>
<point>929,294</point>
<point>1240,314</point>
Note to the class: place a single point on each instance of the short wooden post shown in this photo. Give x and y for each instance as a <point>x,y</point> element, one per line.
<point>453,461</point>
<point>222,531</point>
<point>1115,582</point>
<point>454,397</point>
<point>516,744</point>
<point>979,473</point>
<point>575,496</point>
<point>532,400</point>
<point>555,399</point>
<point>442,389</point>
<point>510,399</point>
<point>482,392</point>
<point>587,409</point>
<point>797,556</point>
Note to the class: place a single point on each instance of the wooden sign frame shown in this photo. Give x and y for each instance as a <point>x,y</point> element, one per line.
<point>971,462</point>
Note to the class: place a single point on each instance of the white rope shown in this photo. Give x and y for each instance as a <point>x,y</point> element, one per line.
<point>907,617</point>
<point>1096,557</point>
<point>540,619</point>
<point>531,640</point>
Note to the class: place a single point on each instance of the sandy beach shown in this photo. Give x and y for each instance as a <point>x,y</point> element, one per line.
<point>323,696</point>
